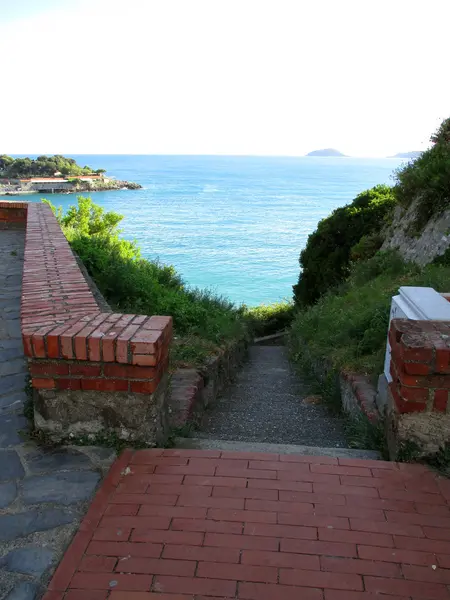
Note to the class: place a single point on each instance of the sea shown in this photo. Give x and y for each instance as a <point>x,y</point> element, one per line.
<point>232,224</point>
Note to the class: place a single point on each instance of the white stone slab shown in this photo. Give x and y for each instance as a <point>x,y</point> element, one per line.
<point>417,304</point>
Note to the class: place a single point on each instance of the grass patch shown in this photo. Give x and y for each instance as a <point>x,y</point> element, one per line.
<point>267,319</point>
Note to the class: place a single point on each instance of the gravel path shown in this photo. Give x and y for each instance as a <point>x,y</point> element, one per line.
<point>265,404</point>
<point>43,493</point>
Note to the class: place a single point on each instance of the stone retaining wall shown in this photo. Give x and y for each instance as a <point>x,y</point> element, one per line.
<point>87,366</point>
<point>193,390</point>
<point>418,407</point>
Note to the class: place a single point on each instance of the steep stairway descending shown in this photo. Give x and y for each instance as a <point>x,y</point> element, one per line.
<point>266,405</point>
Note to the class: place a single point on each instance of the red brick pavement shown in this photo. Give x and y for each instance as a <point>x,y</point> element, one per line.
<point>210,525</point>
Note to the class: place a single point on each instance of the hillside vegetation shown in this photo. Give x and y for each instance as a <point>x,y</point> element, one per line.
<point>346,284</point>
<point>42,166</point>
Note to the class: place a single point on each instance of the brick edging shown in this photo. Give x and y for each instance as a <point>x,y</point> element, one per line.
<point>364,393</point>
<point>70,343</point>
<point>71,559</point>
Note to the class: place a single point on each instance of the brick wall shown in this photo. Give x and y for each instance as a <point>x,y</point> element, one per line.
<point>70,343</point>
<point>420,365</point>
<point>13,212</point>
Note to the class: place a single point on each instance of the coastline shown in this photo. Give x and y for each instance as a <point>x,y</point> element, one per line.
<point>23,187</point>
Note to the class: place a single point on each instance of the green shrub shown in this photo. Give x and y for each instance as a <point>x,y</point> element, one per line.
<point>132,284</point>
<point>427,179</point>
<point>269,318</point>
<point>348,327</point>
<point>325,261</point>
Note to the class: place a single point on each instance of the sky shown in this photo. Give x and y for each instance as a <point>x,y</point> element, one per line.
<point>256,77</point>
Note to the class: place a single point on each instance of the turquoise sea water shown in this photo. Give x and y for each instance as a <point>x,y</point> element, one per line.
<point>233,224</point>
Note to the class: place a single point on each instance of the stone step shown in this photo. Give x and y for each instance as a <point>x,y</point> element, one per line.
<point>236,446</point>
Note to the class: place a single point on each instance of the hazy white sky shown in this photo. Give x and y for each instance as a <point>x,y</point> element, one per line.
<point>369,77</point>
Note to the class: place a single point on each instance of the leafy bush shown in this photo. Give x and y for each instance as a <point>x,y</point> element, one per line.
<point>348,327</point>
<point>132,284</point>
<point>42,166</point>
<point>427,179</point>
<point>325,261</point>
<point>269,318</point>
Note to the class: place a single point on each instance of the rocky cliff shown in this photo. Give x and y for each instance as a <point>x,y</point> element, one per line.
<point>423,247</point>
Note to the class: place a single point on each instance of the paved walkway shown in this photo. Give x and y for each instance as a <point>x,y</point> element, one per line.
<point>267,404</point>
<point>186,524</point>
<point>43,493</point>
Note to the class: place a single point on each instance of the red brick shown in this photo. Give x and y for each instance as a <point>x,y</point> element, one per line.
<point>238,572</point>
<point>264,465</point>
<point>411,496</point>
<point>43,384</point>
<point>251,516</point>
<point>412,368</point>
<point>437,575</point>
<point>102,564</point>
<point>202,469</point>
<point>342,470</point>
<point>85,370</point>
<point>182,512</point>
<point>437,533</point>
<point>380,503</point>
<point>111,534</point>
<point>261,591</point>
<point>347,490</point>
<point>243,542</point>
<point>355,537</point>
<point>186,490</point>
<point>396,555</point>
<point>141,499</point>
<point>432,509</point>
<point>308,520</point>
<point>38,347</point>
<point>306,478</point>
<point>43,368</point>
<point>440,400</point>
<point>257,494</point>
<point>121,549</point>
<point>128,371</point>
<point>105,385</point>
<point>148,596</point>
<point>277,506</point>
<point>346,595</point>
<point>207,525</point>
<point>209,502</point>
<point>444,561</point>
<point>189,538</point>
<point>156,566</point>
<point>247,473</point>
<point>329,499</point>
<point>318,547</point>
<point>68,384</point>
<point>143,387</point>
<point>187,585</point>
<point>201,553</point>
<point>386,527</point>
<point>85,595</point>
<point>412,394</point>
<point>321,579</point>
<point>350,511</point>
<point>430,591</point>
<point>417,519</point>
<point>144,360</point>
<point>362,567</point>
<point>138,521</point>
<point>124,510</point>
<point>281,531</point>
<point>215,481</point>
<point>280,559</point>
<point>102,581</point>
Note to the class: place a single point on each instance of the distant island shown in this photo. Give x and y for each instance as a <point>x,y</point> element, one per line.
<point>412,154</point>
<point>54,174</point>
<point>325,152</point>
